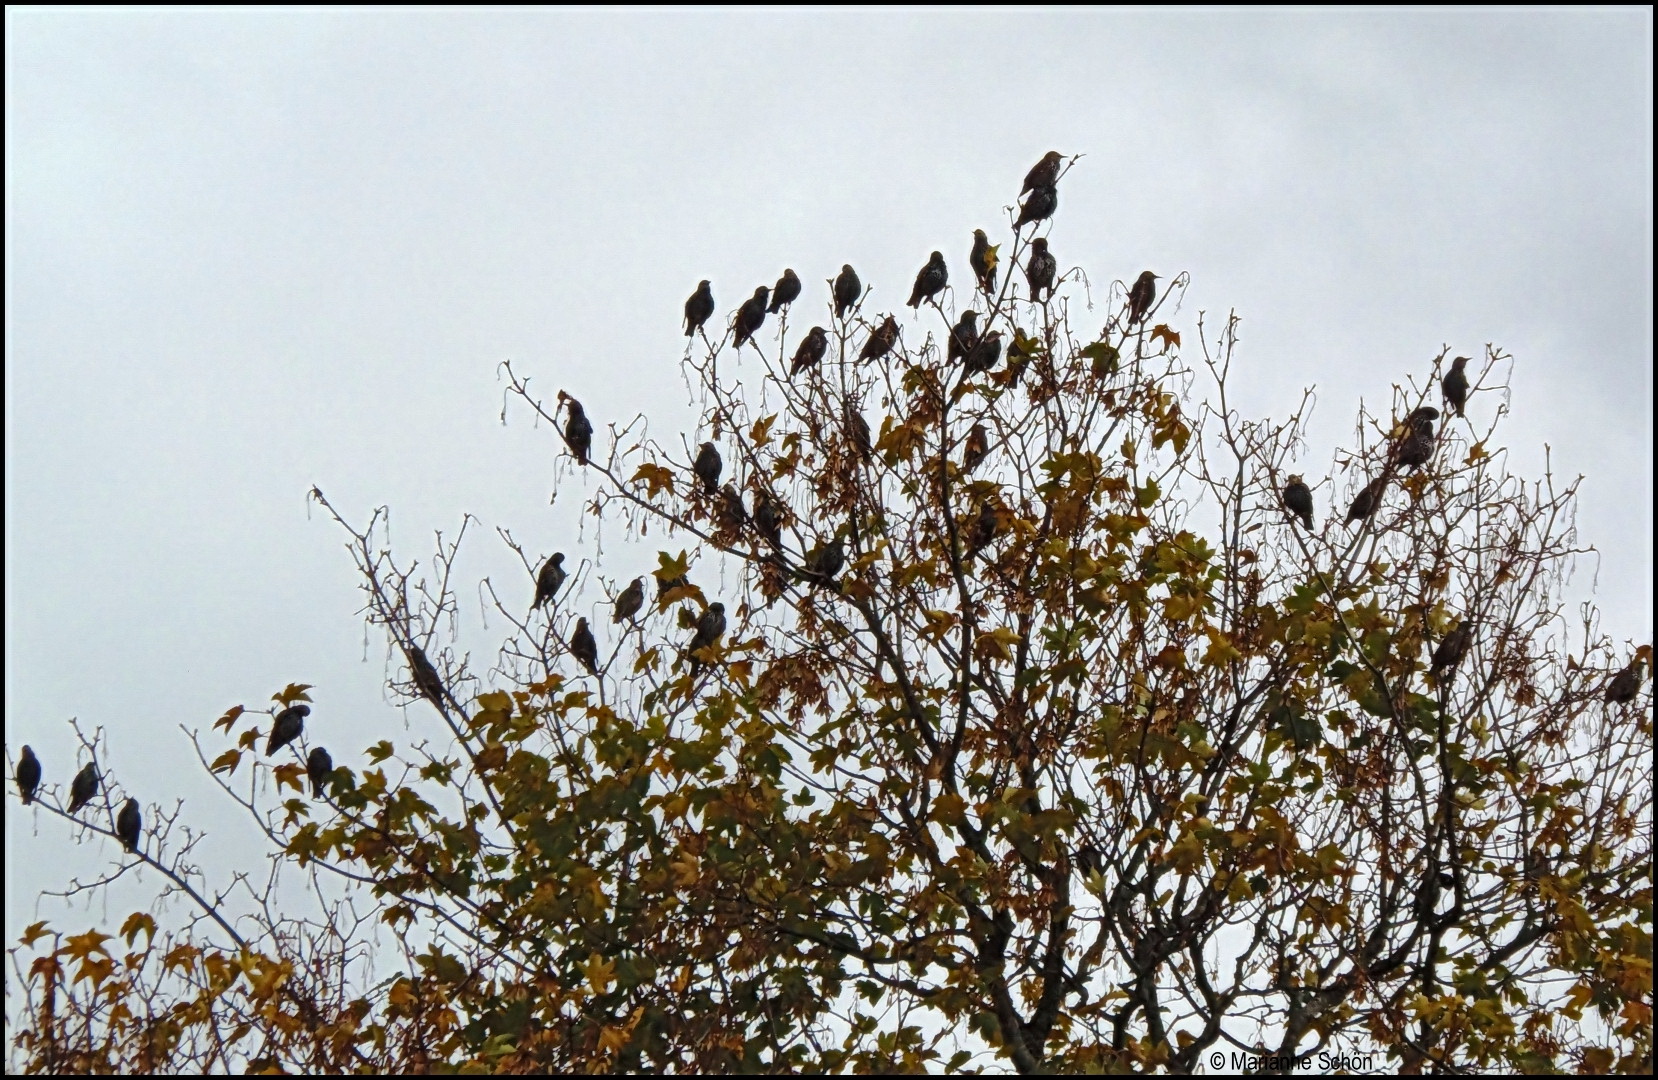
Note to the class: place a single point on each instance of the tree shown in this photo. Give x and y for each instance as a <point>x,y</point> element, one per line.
<point>1084,755</point>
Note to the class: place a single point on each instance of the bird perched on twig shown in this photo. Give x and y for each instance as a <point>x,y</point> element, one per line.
<point>548,581</point>
<point>880,341</point>
<point>28,775</point>
<point>128,825</point>
<point>1620,691</point>
<point>847,290</point>
<point>930,281</point>
<point>811,350</point>
<point>710,628</point>
<point>768,517</point>
<point>286,727</point>
<point>823,562</point>
<point>1453,388</point>
<point>578,430</point>
<point>857,431</point>
<point>785,292</point>
<point>629,602</point>
<point>1367,500</point>
<point>983,261</point>
<point>963,336</point>
<point>983,530</point>
<point>1452,648</point>
<point>707,467</point>
<point>1299,500</point>
<point>984,354</point>
<point>698,308</point>
<point>83,788</point>
<point>1039,205</point>
<point>729,514</point>
<point>750,316</point>
<point>1416,447</point>
<point>976,448</point>
<point>1044,173</point>
<point>584,648</point>
<point>1041,269</point>
<point>425,676</point>
<point>1141,296</point>
<point>319,767</point>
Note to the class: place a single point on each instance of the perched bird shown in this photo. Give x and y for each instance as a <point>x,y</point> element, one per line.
<point>978,446</point>
<point>698,308</point>
<point>1299,500</point>
<point>931,280</point>
<point>768,518</point>
<point>128,825</point>
<point>1088,860</point>
<point>83,787</point>
<point>28,775</point>
<point>984,354</point>
<point>1422,418</point>
<point>425,676</point>
<point>1416,447</point>
<point>1368,499</point>
<point>664,584</point>
<point>983,261</point>
<point>1620,691</point>
<point>1041,269</point>
<point>751,315</point>
<point>1452,648</point>
<point>584,648</point>
<point>629,603</point>
<point>578,430</point>
<point>1453,388</point>
<point>811,350</point>
<point>847,290</point>
<point>548,581</point>
<point>1044,173</point>
<point>1039,205</point>
<point>710,628</point>
<point>963,336</point>
<point>881,341</point>
<point>983,529</point>
<point>823,562</point>
<point>1140,297</point>
<point>319,767</point>
<point>785,292</point>
<point>857,431</point>
<point>728,512</point>
<point>707,467</point>
<point>286,727</point>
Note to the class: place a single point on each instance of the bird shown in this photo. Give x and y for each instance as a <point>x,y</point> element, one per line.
<point>881,341</point>
<point>751,315</point>
<point>1044,173</point>
<point>984,354</point>
<point>664,584</point>
<point>710,628</point>
<point>128,825</point>
<point>319,767</point>
<point>823,562</point>
<point>584,648</point>
<point>847,290</point>
<point>963,336</point>
<point>1140,297</point>
<point>1416,447</point>
<point>729,513</point>
<point>1088,860</point>
<point>28,775</point>
<point>547,582</point>
<point>857,430</point>
<point>983,530</point>
<point>629,603</point>
<point>811,350</point>
<point>1368,499</point>
<point>698,308</point>
<point>768,518</point>
<point>983,261</point>
<point>978,446</point>
<point>707,467</point>
<point>578,430</point>
<point>931,279</point>
<point>83,787</point>
<point>785,292</point>
<point>1299,500</point>
<point>1620,691</point>
<point>286,727</point>
<point>1041,269</point>
<point>1040,204</point>
<point>425,676</point>
<point>1452,648</point>
<point>1453,388</point>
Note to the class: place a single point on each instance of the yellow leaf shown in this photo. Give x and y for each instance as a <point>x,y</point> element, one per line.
<point>293,692</point>
<point>1161,330</point>
<point>657,478</point>
<point>228,720</point>
<point>990,256</point>
<point>1475,453</point>
<point>137,921</point>
<point>33,933</point>
<point>600,973</point>
<point>760,434</point>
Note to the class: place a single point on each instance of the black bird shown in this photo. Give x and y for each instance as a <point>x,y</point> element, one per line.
<point>1140,297</point>
<point>963,336</point>
<point>1452,648</point>
<point>1454,386</point>
<point>629,603</point>
<point>983,530</point>
<point>811,350</point>
<point>823,562</point>
<point>847,290</point>
<point>83,787</point>
<point>881,341</point>
<point>664,584</point>
<point>1040,204</point>
<point>578,430</point>
<point>1417,446</point>
<point>768,518</point>
<point>286,727</point>
<point>1299,500</point>
<point>857,430</point>
<point>1368,499</point>
<point>751,315</point>
<point>1620,691</point>
<point>978,446</point>
<point>548,581</point>
<point>698,308</point>
<point>1044,173</point>
<point>1088,860</point>
<point>28,775</point>
<point>707,467</point>
<point>931,280</point>
<point>710,628</point>
<point>1041,269</point>
<point>128,825</point>
<point>728,512</point>
<point>584,648</point>
<point>985,353</point>
<point>319,767</point>
<point>785,292</point>
<point>983,261</point>
<point>424,675</point>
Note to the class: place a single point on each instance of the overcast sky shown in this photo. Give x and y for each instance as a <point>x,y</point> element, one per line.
<point>248,252</point>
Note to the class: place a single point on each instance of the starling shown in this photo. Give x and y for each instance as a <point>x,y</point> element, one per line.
<point>83,787</point>
<point>1416,447</point>
<point>930,281</point>
<point>629,603</point>
<point>128,824</point>
<point>768,518</point>
<point>578,430</point>
<point>1041,269</point>
<point>1620,691</point>
<point>663,585</point>
<point>857,430</point>
<point>963,336</point>
<point>1039,205</point>
<point>1299,500</point>
<point>1140,297</point>
<point>548,581</point>
<point>425,676</point>
<point>825,561</point>
<point>811,350</point>
<point>1453,388</point>
<point>983,261</point>
<point>319,767</point>
<point>1452,648</point>
<point>698,308</point>
<point>1422,419</point>
<point>881,341</point>
<point>1044,173</point>
<point>983,529</point>
<point>847,290</point>
<point>1088,860</point>
<point>751,315</point>
<point>785,292</point>
<point>985,353</point>
<point>707,467</point>
<point>1368,499</point>
<point>710,628</point>
<point>584,648</point>
<point>728,512</point>
<point>28,775</point>
<point>978,445</point>
<point>286,727</point>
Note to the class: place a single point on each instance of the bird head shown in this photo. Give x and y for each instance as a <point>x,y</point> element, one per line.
<point>574,406</point>
<point>707,446</point>
<point>978,234</point>
<point>1295,478</point>
<point>1052,157</point>
<point>557,558</point>
<point>937,257</point>
<point>581,624</point>
<point>760,294</point>
<point>846,268</point>
<point>969,317</point>
<point>717,607</point>
<point>1040,244</point>
<point>704,285</point>
<point>1457,362</point>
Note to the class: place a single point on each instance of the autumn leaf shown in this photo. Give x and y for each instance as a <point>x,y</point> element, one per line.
<point>1170,337</point>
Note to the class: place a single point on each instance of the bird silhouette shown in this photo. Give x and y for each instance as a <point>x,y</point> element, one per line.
<point>1454,386</point>
<point>785,292</point>
<point>83,788</point>
<point>1367,500</point>
<point>319,767</point>
<point>963,336</point>
<point>629,603</point>
<point>1041,269</point>
<point>1044,173</point>
<point>548,581</point>
<point>28,775</point>
<point>977,447</point>
<point>710,628</point>
<point>983,261</point>
<point>931,280</point>
<point>584,648</point>
<point>1299,500</point>
<point>1039,205</point>
<point>811,350</point>
<point>880,341</point>
<point>128,825</point>
<point>751,315</point>
<point>698,308</point>
<point>286,727</point>
<point>847,290</point>
<point>1141,296</point>
<point>707,467</point>
<point>578,430</point>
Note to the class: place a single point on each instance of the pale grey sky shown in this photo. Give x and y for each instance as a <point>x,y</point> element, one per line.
<point>249,251</point>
